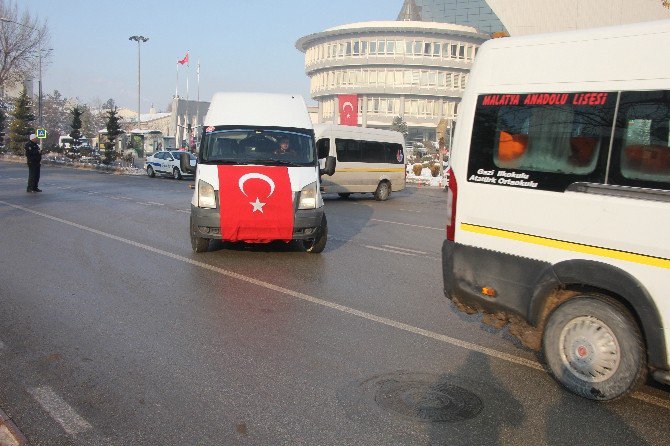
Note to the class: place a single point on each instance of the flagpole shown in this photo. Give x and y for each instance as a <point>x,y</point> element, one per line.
<point>197,105</point>
<point>176,88</point>
<point>188,120</point>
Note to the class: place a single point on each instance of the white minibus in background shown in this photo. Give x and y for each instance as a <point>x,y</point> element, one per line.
<point>559,201</point>
<point>368,160</point>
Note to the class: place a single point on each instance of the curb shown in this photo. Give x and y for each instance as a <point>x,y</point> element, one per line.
<point>10,435</point>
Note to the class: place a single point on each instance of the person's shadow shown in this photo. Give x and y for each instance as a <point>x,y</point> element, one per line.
<point>499,408</point>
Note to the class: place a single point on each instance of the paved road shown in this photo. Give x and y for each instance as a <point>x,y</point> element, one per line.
<point>113,332</point>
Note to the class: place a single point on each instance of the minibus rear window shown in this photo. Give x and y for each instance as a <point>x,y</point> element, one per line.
<point>541,140</point>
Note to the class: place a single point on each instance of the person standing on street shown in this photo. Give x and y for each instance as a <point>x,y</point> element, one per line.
<point>34,158</point>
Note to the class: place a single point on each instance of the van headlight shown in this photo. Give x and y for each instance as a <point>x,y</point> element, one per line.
<point>308,197</point>
<point>206,197</point>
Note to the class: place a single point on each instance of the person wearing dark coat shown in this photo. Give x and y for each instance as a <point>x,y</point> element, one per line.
<point>34,158</point>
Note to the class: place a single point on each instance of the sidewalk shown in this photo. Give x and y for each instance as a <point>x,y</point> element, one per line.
<point>10,435</point>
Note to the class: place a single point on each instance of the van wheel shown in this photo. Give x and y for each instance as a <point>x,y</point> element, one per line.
<point>150,171</point>
<point>199,244</point>
<point>318,244</point>
<point>383,191</point>
<point>176,173</point>
<point>593,347</point>
<point>344,194</point>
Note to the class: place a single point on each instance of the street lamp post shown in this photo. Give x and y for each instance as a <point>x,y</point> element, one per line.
<point>138,39</point>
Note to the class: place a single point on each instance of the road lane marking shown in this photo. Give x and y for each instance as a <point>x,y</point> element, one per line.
<point>390,250</point>
<point>665,403</point>
<point>155,203</point>
<point>404,249</point>
<point>2,346</point>
<point>409,210</point>
<point>407,224</point>
<point>59,410</point>
<point>182,210</point>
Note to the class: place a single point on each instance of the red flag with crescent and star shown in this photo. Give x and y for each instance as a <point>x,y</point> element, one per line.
<point>348,104</point>
<point>256,203</point>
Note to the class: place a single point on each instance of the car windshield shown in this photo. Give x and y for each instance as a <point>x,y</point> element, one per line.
<point>177,154</point>
<point>258,146</point>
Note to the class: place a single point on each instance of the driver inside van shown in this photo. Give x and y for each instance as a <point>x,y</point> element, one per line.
<point>284,148</point>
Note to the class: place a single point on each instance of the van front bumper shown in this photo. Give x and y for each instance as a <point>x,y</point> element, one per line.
<point>206,223</point>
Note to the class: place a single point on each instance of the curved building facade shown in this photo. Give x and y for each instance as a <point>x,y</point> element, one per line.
<point>416,70</point>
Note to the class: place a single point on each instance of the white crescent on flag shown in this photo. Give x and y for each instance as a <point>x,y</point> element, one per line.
<point>248,176</point>
<point>344,106</point>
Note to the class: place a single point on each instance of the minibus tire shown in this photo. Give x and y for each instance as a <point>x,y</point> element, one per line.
<point>344,194</point>
<point>383,191</point>
<point>150,172</point>
<point>593,347</point>
<point>176,173</point>
<point>318,244</point>
<point>199,244</point>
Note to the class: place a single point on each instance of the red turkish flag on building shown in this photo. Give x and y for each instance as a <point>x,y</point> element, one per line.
<point>256,203</point>
<point>348,104</point>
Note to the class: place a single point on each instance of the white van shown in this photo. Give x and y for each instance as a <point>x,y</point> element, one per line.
<point>559,201</point>
<point>257,176</point>
<point>368,160</point>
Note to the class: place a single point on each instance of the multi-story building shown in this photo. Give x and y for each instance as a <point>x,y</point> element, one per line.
<point>475,13</point>
<point>416,70</point>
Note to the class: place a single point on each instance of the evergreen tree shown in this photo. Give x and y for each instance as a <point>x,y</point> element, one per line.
<point>22,123</point>
<point>399,125</point>
<point>75,134</point>
<point>113,132</point>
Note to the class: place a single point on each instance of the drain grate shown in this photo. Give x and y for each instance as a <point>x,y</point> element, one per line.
<point>422,397</point>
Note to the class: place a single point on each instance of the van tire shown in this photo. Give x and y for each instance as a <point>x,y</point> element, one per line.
<point>383,191</point>
<point>344,194</point>
<point>176,173</point>
<point>318,244</point>
<point>150,172</point>
<point>593,347</point>
<point>199,244</point>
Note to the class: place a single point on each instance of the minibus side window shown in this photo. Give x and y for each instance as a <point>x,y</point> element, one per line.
<point>541,140</point>
<point>641,154</point>
<point>373,152</point>
<point>348,150</point>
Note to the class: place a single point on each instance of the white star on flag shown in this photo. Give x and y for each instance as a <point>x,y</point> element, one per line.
<point>258,206</point>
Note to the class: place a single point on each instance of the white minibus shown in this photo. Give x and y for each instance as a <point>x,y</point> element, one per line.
<point>257,178</point>
<point>559,201</point>
<point>368,160</point>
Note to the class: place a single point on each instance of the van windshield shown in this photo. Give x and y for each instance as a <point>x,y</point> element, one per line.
<point>257,146</point>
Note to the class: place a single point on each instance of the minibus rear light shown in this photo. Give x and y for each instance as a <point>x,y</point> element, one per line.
<point>452,195</point>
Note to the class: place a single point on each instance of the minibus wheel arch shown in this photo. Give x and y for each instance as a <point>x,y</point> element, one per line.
<point>566,280</point>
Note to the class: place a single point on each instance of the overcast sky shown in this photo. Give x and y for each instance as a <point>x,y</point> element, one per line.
<point>242,45</point>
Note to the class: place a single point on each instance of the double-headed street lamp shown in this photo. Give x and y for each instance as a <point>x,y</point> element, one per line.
<point>138,39</point>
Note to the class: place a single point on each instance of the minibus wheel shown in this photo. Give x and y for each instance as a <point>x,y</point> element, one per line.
<point>317,244</point>
<point>383,191</point>
<point>150,171</point>
<point>199,244</point>
<point>593,346</point>
<point>344,194</point>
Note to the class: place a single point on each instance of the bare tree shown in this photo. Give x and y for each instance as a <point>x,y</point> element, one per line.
<point>22,37</point>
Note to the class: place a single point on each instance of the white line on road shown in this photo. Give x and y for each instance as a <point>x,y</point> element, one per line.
<point>182,210</point>
<point>409,210</point>
<point>2,346</point>
<point>406,224</point>
<point>156,204</point>
<point>665,403</point>
<point>404,249</point>
<point>59,410</point>
<point>390,250</point>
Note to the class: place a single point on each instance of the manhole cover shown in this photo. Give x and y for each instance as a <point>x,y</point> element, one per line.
<point>423,397</point>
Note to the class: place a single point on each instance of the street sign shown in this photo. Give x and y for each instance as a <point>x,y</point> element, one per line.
<point>41,133</point>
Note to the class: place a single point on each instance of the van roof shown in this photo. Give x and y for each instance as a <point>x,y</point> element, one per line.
<point>258,109</point>
<point>380,133</point>
<point>607,58</point>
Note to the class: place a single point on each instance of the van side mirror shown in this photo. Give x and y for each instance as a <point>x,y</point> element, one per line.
<point>330,166</point>
<point>323,148</point>
<point>185,163</point>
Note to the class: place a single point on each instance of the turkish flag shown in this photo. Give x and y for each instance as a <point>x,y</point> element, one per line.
<point>256,203</point>
<point>184,60</point>
<point>348,109</point>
